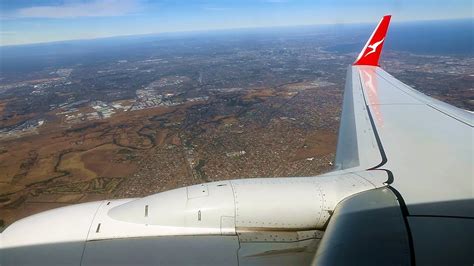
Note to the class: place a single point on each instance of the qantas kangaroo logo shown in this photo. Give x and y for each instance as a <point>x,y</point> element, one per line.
<point>373,47</point>
<point>370,55</point>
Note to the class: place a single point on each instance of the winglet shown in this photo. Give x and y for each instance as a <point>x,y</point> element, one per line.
<point>373,48</point>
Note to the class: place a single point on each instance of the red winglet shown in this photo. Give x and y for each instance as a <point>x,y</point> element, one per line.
<point>373,48</point>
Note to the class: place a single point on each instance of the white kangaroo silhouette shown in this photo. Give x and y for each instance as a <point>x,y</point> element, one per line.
<point>374,47</point>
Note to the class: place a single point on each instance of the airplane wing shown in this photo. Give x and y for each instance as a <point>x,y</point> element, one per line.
<point>426,148</point>
<point>401,194</point>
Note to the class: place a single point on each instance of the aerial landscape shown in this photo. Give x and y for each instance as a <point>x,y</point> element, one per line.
<point>127,117</point>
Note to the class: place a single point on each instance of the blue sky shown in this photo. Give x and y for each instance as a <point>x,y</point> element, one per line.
<point>33,21</point>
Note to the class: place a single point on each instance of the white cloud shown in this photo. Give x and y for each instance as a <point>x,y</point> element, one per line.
<point>96,8</point>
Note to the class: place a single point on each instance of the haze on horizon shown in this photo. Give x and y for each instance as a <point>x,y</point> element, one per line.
<point>27,22</point>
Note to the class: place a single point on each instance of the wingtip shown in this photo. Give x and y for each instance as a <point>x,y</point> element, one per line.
<point>372,50</point>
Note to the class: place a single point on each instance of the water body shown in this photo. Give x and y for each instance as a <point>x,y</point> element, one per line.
<point>447,37</point>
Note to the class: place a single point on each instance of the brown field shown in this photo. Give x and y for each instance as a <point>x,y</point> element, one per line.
<point>15,119</point>
<point>316,145</point>
<point>2,107</point>
<point>259,93</point>
<point>73,163</point>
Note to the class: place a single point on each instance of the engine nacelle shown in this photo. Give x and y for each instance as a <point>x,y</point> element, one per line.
<point>261,210</point>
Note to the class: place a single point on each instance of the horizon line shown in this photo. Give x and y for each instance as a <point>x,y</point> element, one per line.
<point>217,30</point>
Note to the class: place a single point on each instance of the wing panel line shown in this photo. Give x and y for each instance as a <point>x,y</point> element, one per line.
<point>417,98</point>
<point>453,117</point>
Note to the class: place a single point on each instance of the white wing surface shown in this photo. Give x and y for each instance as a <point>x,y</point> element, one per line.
<point>426,148</point>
